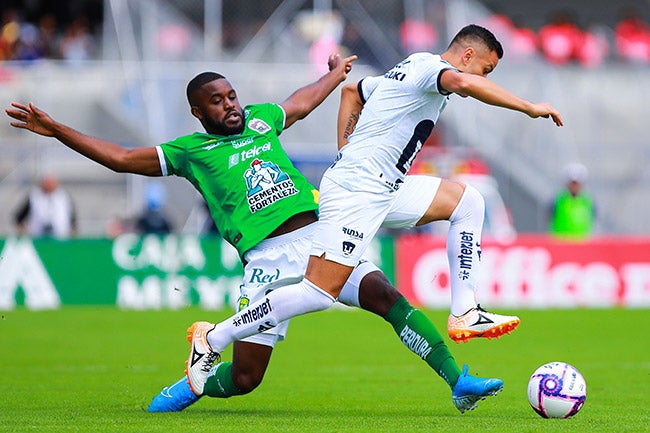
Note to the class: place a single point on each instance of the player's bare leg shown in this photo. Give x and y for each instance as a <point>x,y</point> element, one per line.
<point>447,198</point>
<point>226,379</point>
<point>327,275</point>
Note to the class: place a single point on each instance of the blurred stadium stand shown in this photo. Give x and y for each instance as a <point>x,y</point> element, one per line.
<point>133,93</point>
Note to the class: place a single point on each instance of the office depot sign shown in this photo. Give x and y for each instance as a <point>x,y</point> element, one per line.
<point>535,271</point>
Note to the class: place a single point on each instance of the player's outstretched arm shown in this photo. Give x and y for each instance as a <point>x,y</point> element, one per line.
<point>304,100</point>
<point>484,90</point>
<point>349,111</point>
<point>113,156</point>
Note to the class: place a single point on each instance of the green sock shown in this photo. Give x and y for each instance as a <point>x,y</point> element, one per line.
<point>220,384</point>
<point>417,333</point>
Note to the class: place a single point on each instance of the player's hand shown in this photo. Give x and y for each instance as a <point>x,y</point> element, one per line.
<point>31,118</point>
<point>335,61</point>
<point>546,110</point>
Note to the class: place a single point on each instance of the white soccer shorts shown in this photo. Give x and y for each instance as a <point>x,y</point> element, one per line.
<point>281,261</point>
<point>349,220</point>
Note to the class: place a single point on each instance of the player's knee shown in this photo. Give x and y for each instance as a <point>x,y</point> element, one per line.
<point>471,204</point>
<point>247,382</point>
<point>376,294</point>
<point>474,196</point>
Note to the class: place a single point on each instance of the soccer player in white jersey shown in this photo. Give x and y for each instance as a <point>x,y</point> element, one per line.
<point>368,186</point>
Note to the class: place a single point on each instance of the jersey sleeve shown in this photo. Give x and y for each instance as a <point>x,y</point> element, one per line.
<point>368,85</point>
<point>276,114</point>
<point>429,73</point>
<point>162,161</point>
<point>172,156</point>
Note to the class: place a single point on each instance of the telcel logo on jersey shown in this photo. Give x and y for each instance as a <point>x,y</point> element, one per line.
<point>251,153</point>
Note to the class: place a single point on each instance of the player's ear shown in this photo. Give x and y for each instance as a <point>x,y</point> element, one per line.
<point>468,55</point>
<point>196,112</point>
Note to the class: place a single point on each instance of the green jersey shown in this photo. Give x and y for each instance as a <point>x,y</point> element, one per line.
<point>247,180</point>
<point>573,217</point>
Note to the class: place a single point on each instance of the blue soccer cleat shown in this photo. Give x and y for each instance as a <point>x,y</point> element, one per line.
<point>174,398</point>
<point>469,390</point>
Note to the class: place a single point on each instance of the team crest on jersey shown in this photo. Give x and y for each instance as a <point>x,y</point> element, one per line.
<point>259,125</point>
<point>267,184</point>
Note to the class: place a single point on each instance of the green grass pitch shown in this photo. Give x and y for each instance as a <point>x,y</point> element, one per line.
<point>96,369</point>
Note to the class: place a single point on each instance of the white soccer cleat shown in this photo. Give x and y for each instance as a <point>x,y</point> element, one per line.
<point>480,323</point>
<point>202,358</point>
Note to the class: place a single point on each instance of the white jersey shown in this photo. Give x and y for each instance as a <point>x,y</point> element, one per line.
<point>50,214</point>
<point>400,110</point>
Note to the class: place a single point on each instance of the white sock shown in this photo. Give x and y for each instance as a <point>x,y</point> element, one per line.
<point>279,305</point>
<point>464,249</point>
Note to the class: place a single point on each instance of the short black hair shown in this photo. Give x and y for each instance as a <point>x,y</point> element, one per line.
<point>473,32</point>
<point>197,82</point>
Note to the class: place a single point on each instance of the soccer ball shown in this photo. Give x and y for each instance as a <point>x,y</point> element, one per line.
<point>557,390</point>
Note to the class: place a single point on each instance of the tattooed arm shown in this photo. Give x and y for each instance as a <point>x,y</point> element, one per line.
<point>349,110</point>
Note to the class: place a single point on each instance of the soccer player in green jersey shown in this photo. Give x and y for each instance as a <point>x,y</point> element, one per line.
<point>266,209</point>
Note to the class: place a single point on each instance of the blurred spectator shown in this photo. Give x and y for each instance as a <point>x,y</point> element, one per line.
<point>320,51</point>
<point>572,213</point>
<point>24,40</point>
<point>519,41</point>
<point>77,44</point>
<point>524,42</point>
<point>560,38</point>
<point>324,30</point>
<point>48,37</point>
<point>593,50</point>
<point>417,36</point>
<point>26,47</point>
<point>632,37</point>
<point>174,41</point>
<point>153,219</point>
<point>115,226</point>
<point>48,210</point>
<point>9,33</point>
